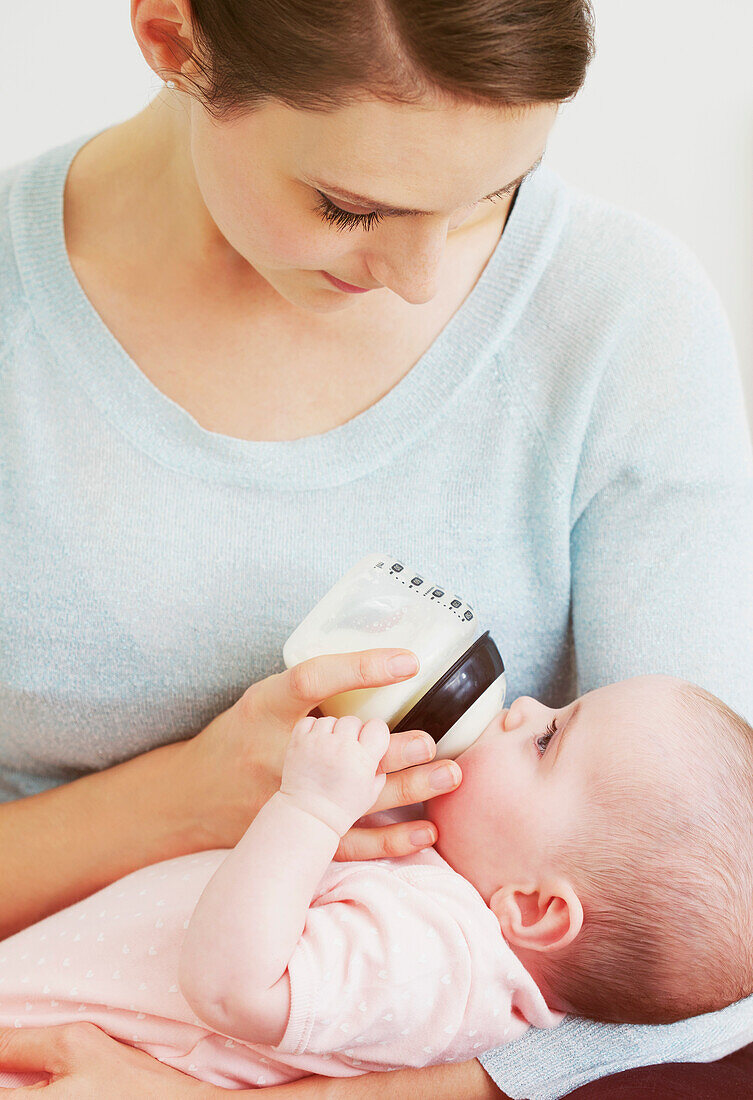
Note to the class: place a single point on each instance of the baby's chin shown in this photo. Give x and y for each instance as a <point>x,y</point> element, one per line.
<point>453,843</point>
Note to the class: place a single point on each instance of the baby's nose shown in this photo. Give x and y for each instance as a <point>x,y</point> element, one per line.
<point>520,712</point>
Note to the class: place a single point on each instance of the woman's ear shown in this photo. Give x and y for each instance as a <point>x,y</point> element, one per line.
<point>156,25</point>
<point>543,917</point>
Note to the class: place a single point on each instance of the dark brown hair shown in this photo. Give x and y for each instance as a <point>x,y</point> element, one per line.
<point>312,55</point>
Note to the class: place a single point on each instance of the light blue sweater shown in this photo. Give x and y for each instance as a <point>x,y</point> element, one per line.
<point>570,456</point>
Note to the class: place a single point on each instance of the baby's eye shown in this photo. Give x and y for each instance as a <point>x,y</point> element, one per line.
<point>543,739</point>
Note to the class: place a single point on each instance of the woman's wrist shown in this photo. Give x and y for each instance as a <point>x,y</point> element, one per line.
<point>215,812</point>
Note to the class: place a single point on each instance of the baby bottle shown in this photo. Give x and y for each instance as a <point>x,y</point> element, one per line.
<point>378,603</point>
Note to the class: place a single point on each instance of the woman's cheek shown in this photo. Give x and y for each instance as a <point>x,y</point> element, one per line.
<point>268,239</point>
<point>257,226</point>
<point>288,241</point>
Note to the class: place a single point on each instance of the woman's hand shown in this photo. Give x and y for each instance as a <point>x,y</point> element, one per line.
<point>84,1063</point>
<point>236,761</point>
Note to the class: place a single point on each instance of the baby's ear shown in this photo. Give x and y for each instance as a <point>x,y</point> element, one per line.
<point>544,917</point>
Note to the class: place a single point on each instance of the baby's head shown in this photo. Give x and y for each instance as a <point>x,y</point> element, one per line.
<point>613,839</point>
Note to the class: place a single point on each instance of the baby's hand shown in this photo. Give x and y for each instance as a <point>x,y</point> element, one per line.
<point>332,768</point>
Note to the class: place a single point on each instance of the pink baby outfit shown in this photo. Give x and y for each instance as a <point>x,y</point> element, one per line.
<point>401,963</point>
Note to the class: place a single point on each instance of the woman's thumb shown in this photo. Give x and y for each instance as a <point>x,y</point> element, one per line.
<point>28,1050</point>
<point>293,694</point>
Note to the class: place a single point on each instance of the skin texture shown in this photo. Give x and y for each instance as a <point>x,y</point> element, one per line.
<point>83,1062</point>
<point>236,196</point>
<point>267,213</point>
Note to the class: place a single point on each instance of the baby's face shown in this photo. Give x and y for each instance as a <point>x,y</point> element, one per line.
<point>528,775</point>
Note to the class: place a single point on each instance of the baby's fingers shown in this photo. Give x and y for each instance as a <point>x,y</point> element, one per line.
<point>375,738</point>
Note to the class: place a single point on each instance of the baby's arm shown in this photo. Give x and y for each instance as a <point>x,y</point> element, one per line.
<point>245,927</point>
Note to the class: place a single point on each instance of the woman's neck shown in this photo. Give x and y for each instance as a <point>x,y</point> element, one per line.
<point>146,162</point>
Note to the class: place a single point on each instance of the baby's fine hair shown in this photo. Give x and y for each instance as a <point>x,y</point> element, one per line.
<point>665,876</point>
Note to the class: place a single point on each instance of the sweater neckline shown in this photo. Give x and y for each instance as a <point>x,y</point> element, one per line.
<point>88,353</point>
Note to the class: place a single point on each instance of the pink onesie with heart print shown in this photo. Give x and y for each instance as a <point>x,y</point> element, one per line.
<point>401,963</point>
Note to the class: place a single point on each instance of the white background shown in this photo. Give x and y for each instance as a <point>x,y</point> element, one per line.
<point>663,126</point>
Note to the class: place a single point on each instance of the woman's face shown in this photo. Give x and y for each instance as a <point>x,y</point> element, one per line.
<point>260,178</point>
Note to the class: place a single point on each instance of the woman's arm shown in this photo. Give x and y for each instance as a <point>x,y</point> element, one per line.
<point>454,1081</point>
<point>62,845</point>
<point>86,1062</point>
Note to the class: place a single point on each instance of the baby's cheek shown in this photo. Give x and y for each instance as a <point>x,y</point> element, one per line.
<point>493,791</point>
<point>480,767</point>
<point>457,810</point>
<point>466,817</point>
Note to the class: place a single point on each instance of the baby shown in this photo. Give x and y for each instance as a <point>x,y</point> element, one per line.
<point>595,859</point>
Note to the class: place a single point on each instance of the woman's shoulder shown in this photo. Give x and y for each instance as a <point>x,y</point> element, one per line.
<point>616,255</point>
<point>617,287</point>
<point>623,325</point>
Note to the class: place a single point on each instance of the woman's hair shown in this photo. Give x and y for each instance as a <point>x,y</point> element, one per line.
<point>319,56</point>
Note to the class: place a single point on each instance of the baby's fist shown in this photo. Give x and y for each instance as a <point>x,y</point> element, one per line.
<point>332,768</point>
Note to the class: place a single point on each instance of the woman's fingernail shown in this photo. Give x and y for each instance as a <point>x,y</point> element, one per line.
<point>421,837</point>
<point>445,778</point>
<point>403,665</point>
<point>418,751</point>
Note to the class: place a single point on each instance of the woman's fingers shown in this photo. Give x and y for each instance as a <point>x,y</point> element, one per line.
<point>24,1050</point>
<point>294,693</point>
<point>84,1061</point>
<point>386,841</point>
<point>405,786</point>
<point>41,1049</point>
<point>406,749</point>
<point>411,785</point>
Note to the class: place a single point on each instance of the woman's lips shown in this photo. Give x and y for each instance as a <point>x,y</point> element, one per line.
<point>347,286</point>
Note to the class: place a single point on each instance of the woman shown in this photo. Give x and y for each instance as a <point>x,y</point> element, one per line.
<point>204,426</point>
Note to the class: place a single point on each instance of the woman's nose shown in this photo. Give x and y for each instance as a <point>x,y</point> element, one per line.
<point>408,262</point>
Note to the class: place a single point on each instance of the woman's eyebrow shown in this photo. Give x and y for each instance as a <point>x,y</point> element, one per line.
<point>384,208</point>
<point>565,730</point>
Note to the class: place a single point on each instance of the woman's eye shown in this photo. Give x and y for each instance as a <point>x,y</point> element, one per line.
<point>343,219</point>
<point>543,739</point>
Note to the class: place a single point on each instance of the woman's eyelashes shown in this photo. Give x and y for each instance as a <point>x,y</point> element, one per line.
<point>343,219</point>
<point>543,739</point>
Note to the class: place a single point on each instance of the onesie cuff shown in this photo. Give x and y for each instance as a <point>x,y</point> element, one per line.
<point>301,973</point>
